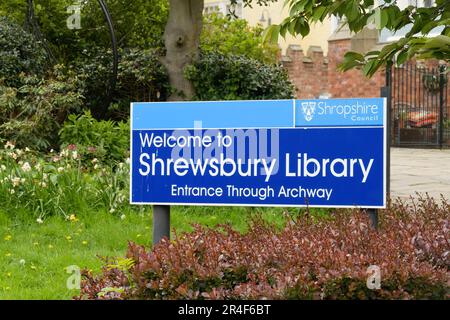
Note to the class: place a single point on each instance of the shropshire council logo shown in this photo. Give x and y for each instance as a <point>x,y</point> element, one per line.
<point>309,108</point>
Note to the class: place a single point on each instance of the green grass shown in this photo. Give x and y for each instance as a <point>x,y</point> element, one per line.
<point>33,256</point>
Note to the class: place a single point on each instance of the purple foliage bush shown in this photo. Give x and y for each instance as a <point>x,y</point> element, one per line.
<point>307,259</point>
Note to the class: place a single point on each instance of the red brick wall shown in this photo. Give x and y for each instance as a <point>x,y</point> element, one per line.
<point>351,83</point>
<point>309,73</point>
<point>315,75</point>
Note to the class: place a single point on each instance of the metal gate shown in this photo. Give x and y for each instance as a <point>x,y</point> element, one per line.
<point>419,106</point>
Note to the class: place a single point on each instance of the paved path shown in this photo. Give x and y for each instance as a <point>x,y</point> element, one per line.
<point>420,170</point>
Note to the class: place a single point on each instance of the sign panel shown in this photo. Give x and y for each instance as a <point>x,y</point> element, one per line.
<point>259,153</point>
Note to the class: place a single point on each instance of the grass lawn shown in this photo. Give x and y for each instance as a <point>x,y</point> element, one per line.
<point>33,256</point>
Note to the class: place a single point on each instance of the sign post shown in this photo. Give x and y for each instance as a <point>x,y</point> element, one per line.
<point>297,153</point>
<point>161,223</point>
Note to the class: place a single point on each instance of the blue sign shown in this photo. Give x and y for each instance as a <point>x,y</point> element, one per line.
<point>258,153</point>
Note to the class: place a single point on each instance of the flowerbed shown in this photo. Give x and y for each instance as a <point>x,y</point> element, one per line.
<point>60,183</point>
<point>307,259</point>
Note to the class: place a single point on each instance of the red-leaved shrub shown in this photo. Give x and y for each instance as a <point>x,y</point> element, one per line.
<point>308,259</point>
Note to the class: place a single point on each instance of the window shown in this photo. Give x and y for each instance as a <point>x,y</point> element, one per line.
<point>428,3</point>
<point>211,9</point>
<point>387,35</point>
<point>224,7</point>
<point>236,9</point>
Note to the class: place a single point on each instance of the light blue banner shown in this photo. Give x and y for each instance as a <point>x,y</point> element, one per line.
<point>339,112</point>
<point>213,114</point>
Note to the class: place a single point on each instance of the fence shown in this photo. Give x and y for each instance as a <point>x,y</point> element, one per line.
<point>419,106</point>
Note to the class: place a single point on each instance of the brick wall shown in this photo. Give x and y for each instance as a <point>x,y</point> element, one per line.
<point>351,83</point>
<point>309,72</point>
<point>315,75</point>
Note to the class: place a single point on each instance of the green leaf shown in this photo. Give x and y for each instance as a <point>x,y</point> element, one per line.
<point>402,57</point>
<point>271,33</point>
<point>319,14</point>
<point>384,18</point>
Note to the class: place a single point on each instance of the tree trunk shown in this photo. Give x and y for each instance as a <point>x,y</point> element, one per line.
<point>182,37</point>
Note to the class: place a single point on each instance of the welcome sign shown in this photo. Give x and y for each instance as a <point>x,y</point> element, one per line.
<point>318,153</point>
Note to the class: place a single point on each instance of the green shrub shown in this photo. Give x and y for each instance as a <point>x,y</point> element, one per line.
<point>234,36</point>
<point>141,77</point>
<point>19,53</point>
<point>230,77</point>
<point>105,140</point>
<point>137,23</point>
<point>32,114</point>
<point>323,259</point>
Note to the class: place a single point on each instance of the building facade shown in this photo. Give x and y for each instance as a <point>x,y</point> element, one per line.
<point>275,13</point>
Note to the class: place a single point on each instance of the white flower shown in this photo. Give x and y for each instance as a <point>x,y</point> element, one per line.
<point>19,152</point>
<point>112,210</point>
<point>27,149</point>
<point>39,220</point>
<point>26,167</point>
<point>96,166</point>
<point>13,155</point>
<point>12,191</point>
<point>94,161</point>
<point>15,181</point>
<point>64,153</point>
<point>3,167</point>
<point>9,145</point>
<point>74,155</point>
<point>60,169</point>
<point>22,180</point>
<point>43,184</point>
<point>22,262</point>
<point>122,217</point>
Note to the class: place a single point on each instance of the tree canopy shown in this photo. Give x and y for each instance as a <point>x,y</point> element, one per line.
<point>357,15</point>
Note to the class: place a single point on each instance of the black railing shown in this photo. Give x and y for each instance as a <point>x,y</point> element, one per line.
<point>420,106</point>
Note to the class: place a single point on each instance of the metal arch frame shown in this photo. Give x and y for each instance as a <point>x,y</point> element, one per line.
<point>113,79</point>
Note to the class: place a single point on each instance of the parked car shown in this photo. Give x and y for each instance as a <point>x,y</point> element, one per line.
<point>421,119</point>
<point>412,116</point>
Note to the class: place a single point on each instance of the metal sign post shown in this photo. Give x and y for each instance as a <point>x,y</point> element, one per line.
<point>161,223</point>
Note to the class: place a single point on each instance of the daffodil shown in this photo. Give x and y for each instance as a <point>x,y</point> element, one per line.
<point>26,167</point>
<point>9,145</point>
